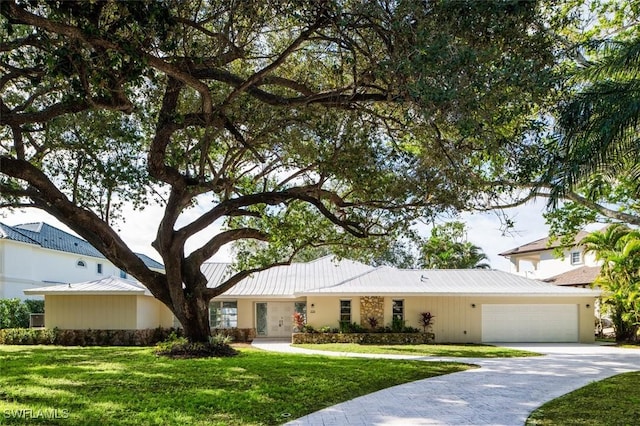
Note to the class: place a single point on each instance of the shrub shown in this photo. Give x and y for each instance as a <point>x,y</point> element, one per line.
<point>308,329</point>
<point>373,322</point>
<point>31,336</point>
<point>426,320</point>
<point>13,314</point>
<point>298,321</point>
<point>180,347</point>
<point>35,306</point>
<point>353,327</point>
<point>397,325</point>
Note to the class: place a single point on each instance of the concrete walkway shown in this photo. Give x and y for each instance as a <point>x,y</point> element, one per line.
<point>502,392</point>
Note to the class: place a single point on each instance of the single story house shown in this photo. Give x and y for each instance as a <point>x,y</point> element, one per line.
<point>469,306</point>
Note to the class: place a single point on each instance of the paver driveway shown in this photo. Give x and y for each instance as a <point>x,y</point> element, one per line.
<point>502,392</point>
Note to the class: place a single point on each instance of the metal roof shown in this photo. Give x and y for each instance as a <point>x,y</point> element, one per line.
<point>108,285</point>
<point>387,280</point>
<point>50,237</point>
<point>346,277</point>
<point>286,281</point>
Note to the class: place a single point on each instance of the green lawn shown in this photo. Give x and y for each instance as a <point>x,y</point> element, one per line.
<point>97,385</point>
<point>614,401</point>
<point>468,351</point>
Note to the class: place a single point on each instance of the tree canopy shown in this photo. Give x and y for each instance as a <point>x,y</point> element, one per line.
<point>591,166</point>
<point>293,124</point>
<point>448,248</point>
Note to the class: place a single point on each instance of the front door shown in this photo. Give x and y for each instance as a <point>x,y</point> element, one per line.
<point>274,319</point>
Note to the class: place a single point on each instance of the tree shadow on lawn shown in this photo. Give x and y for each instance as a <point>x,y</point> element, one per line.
<point>133,386</point>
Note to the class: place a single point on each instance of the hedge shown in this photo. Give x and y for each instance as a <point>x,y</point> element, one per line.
<point>148,337</point>
<point>43,336</point>
<point>365,338</point>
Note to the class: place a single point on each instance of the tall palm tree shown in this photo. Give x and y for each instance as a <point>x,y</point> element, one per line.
<point>599,127</point>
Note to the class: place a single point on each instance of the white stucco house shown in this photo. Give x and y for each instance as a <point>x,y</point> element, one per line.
<point>539,260</point>
<point>34,255</point>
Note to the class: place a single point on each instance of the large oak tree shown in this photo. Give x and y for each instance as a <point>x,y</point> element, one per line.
<point>296,124</point>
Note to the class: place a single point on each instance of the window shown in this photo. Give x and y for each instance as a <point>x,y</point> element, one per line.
<point>576,257</point>
<point>123,274</point>
<point>345,311</point>
<point>398,310</point>
<point>81,264</point>
<point>223,314</point>
<point>99,269</point>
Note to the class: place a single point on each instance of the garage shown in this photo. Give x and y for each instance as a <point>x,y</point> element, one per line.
<point>530,323</point>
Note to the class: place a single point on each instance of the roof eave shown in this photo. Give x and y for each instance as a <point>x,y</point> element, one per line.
<point>86,293</point>
<point>587,293</point>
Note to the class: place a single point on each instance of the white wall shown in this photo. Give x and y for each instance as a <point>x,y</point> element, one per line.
<point>546,264</point>
<point>26,266</point>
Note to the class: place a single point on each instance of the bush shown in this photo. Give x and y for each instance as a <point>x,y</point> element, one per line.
<point>13,314</point>
<point>353,327</point>
<point>31,336</point>
<point>426,320</point>
<point>373,322</point>
<point>35,306</point>
<point>298,321</point>
<point>27,336</point>
<point>180,347</point>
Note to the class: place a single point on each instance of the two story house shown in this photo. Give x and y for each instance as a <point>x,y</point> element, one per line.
<point>36,255</point>
<point>539,260</point>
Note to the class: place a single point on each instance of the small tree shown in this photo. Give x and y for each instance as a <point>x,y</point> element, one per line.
<point>426,320</point>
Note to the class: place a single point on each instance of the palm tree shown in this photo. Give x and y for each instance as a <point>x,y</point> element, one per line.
<point>618,247</point>
<point>599,126</point>
<point>447,248</point>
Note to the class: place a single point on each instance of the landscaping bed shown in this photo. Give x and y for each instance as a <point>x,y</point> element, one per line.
<point>364,338</point>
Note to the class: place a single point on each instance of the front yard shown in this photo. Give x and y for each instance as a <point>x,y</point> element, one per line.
<point>121,385</point>
<point>613,401</point>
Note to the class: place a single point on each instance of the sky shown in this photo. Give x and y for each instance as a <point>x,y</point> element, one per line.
<point>483,229</point>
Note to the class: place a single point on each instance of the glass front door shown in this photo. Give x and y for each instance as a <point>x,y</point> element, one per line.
<point>261,319</point>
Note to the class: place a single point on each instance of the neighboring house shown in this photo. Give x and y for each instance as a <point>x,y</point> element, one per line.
<point>469,306</point>
<point>539,260</point>
<point>34,255</point>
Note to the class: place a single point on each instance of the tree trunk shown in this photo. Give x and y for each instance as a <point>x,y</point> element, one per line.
<point>193,314</point>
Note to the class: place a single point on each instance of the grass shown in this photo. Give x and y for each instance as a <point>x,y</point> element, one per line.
<point>613,401</point>
<point>467,351</point>
<point>132,386</point>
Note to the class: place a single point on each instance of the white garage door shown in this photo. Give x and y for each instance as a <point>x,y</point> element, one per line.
<point>529,323</point>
